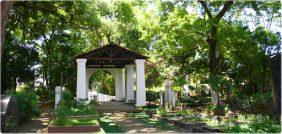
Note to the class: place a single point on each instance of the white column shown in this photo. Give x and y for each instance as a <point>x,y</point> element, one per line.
<point>129,83</point>
<point>81,89</point>
<point>122,83</point>
<point>117,85</point>
<point>141,89</point>
<point>89,72</point>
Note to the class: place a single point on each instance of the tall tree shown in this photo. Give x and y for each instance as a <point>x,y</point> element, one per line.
<point>212,39</point>
<point>5,10</point>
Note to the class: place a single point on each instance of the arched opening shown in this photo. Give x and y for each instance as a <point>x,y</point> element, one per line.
<point>103,82</point>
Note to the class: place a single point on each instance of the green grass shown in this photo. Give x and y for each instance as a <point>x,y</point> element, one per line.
<point>156,123</point>
<point>108,126</point>
<point>74,121</point>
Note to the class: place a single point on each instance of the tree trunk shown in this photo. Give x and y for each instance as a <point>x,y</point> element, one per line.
<point>213,65</point>
<point>212,39</point>
<point>5,10</point>
<point>276,84</point>
<point>213,45</point>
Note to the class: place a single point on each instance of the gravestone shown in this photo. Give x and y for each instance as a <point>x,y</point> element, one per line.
<point>58,95</point>
<point>215,97</point>
<point>173,99</point>
<point>161,98</point>
<point>186,91</point>
<point>167,93</point>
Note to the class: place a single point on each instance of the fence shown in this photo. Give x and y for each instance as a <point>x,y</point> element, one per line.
<point>94,95</point>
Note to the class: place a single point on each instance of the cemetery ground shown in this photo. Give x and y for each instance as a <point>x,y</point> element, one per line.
<point>163,113</point>
<point>153,118</point>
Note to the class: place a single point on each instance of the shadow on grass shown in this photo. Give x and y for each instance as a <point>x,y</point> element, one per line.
<point>109,127</point>
<point>156,123</point>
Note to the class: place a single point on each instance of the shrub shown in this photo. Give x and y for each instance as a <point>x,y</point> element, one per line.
<point>28,104</point>
<point>257,124</point>
<point>67,108</point>
<point>84,108</point>
<point>62,112</point>
<point>162,112</point>
<point>259,103</point>
<point>68,98</point>
<point>182,112</point>
<point>45,94</point>
<point>264,124</point>
<point>152,96</point>
<point>195,118</point>
<point>218,110</point>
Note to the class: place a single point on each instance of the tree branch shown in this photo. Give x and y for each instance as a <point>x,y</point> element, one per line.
<point>204,4</point>
<point>227,5</point>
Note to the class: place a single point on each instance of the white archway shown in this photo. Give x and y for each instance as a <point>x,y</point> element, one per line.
<point>119,80</point>
<point>118,61</point>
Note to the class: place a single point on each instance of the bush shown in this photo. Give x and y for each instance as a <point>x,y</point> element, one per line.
<point>261,103</point>
<point>264,124</point>
<point>152,96</point>
<point>62,112</point>
<point>162,112</point>
<point>182,112</point>
<point>218,110</point>
<point>67,108</point>
<point>45,94</point>
<point>28,104</point>
<point>256,124</point>
<point>84,108</point>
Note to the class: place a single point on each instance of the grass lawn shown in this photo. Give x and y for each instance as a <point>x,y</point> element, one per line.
<point>74,122</point>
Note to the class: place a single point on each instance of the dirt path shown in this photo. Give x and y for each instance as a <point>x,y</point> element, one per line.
<point>132,125</point>
<point>37,124</point>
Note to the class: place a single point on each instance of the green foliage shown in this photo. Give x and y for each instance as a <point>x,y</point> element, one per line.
<point>156,123</point>
<point>266,124</point>
<point>43,37</point>
<point>218,110</point>
<point>68,96</point>
<point>84,108</point>
<point>74,121</point>
<point>152,96</point>
<point>256,124</point>
<point>193,119</point>
<point>28,104</point>
<point>162,112</point>
<point>108,125</point>
<point>259,103</point>
<point>103,81</point>
<point>153,75</point>
<point>16,62</point>
<point>217,82</point>
<point>183,112</point>
<point>62,111</point>
<point>68,107</point>
<point>45,94</point>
